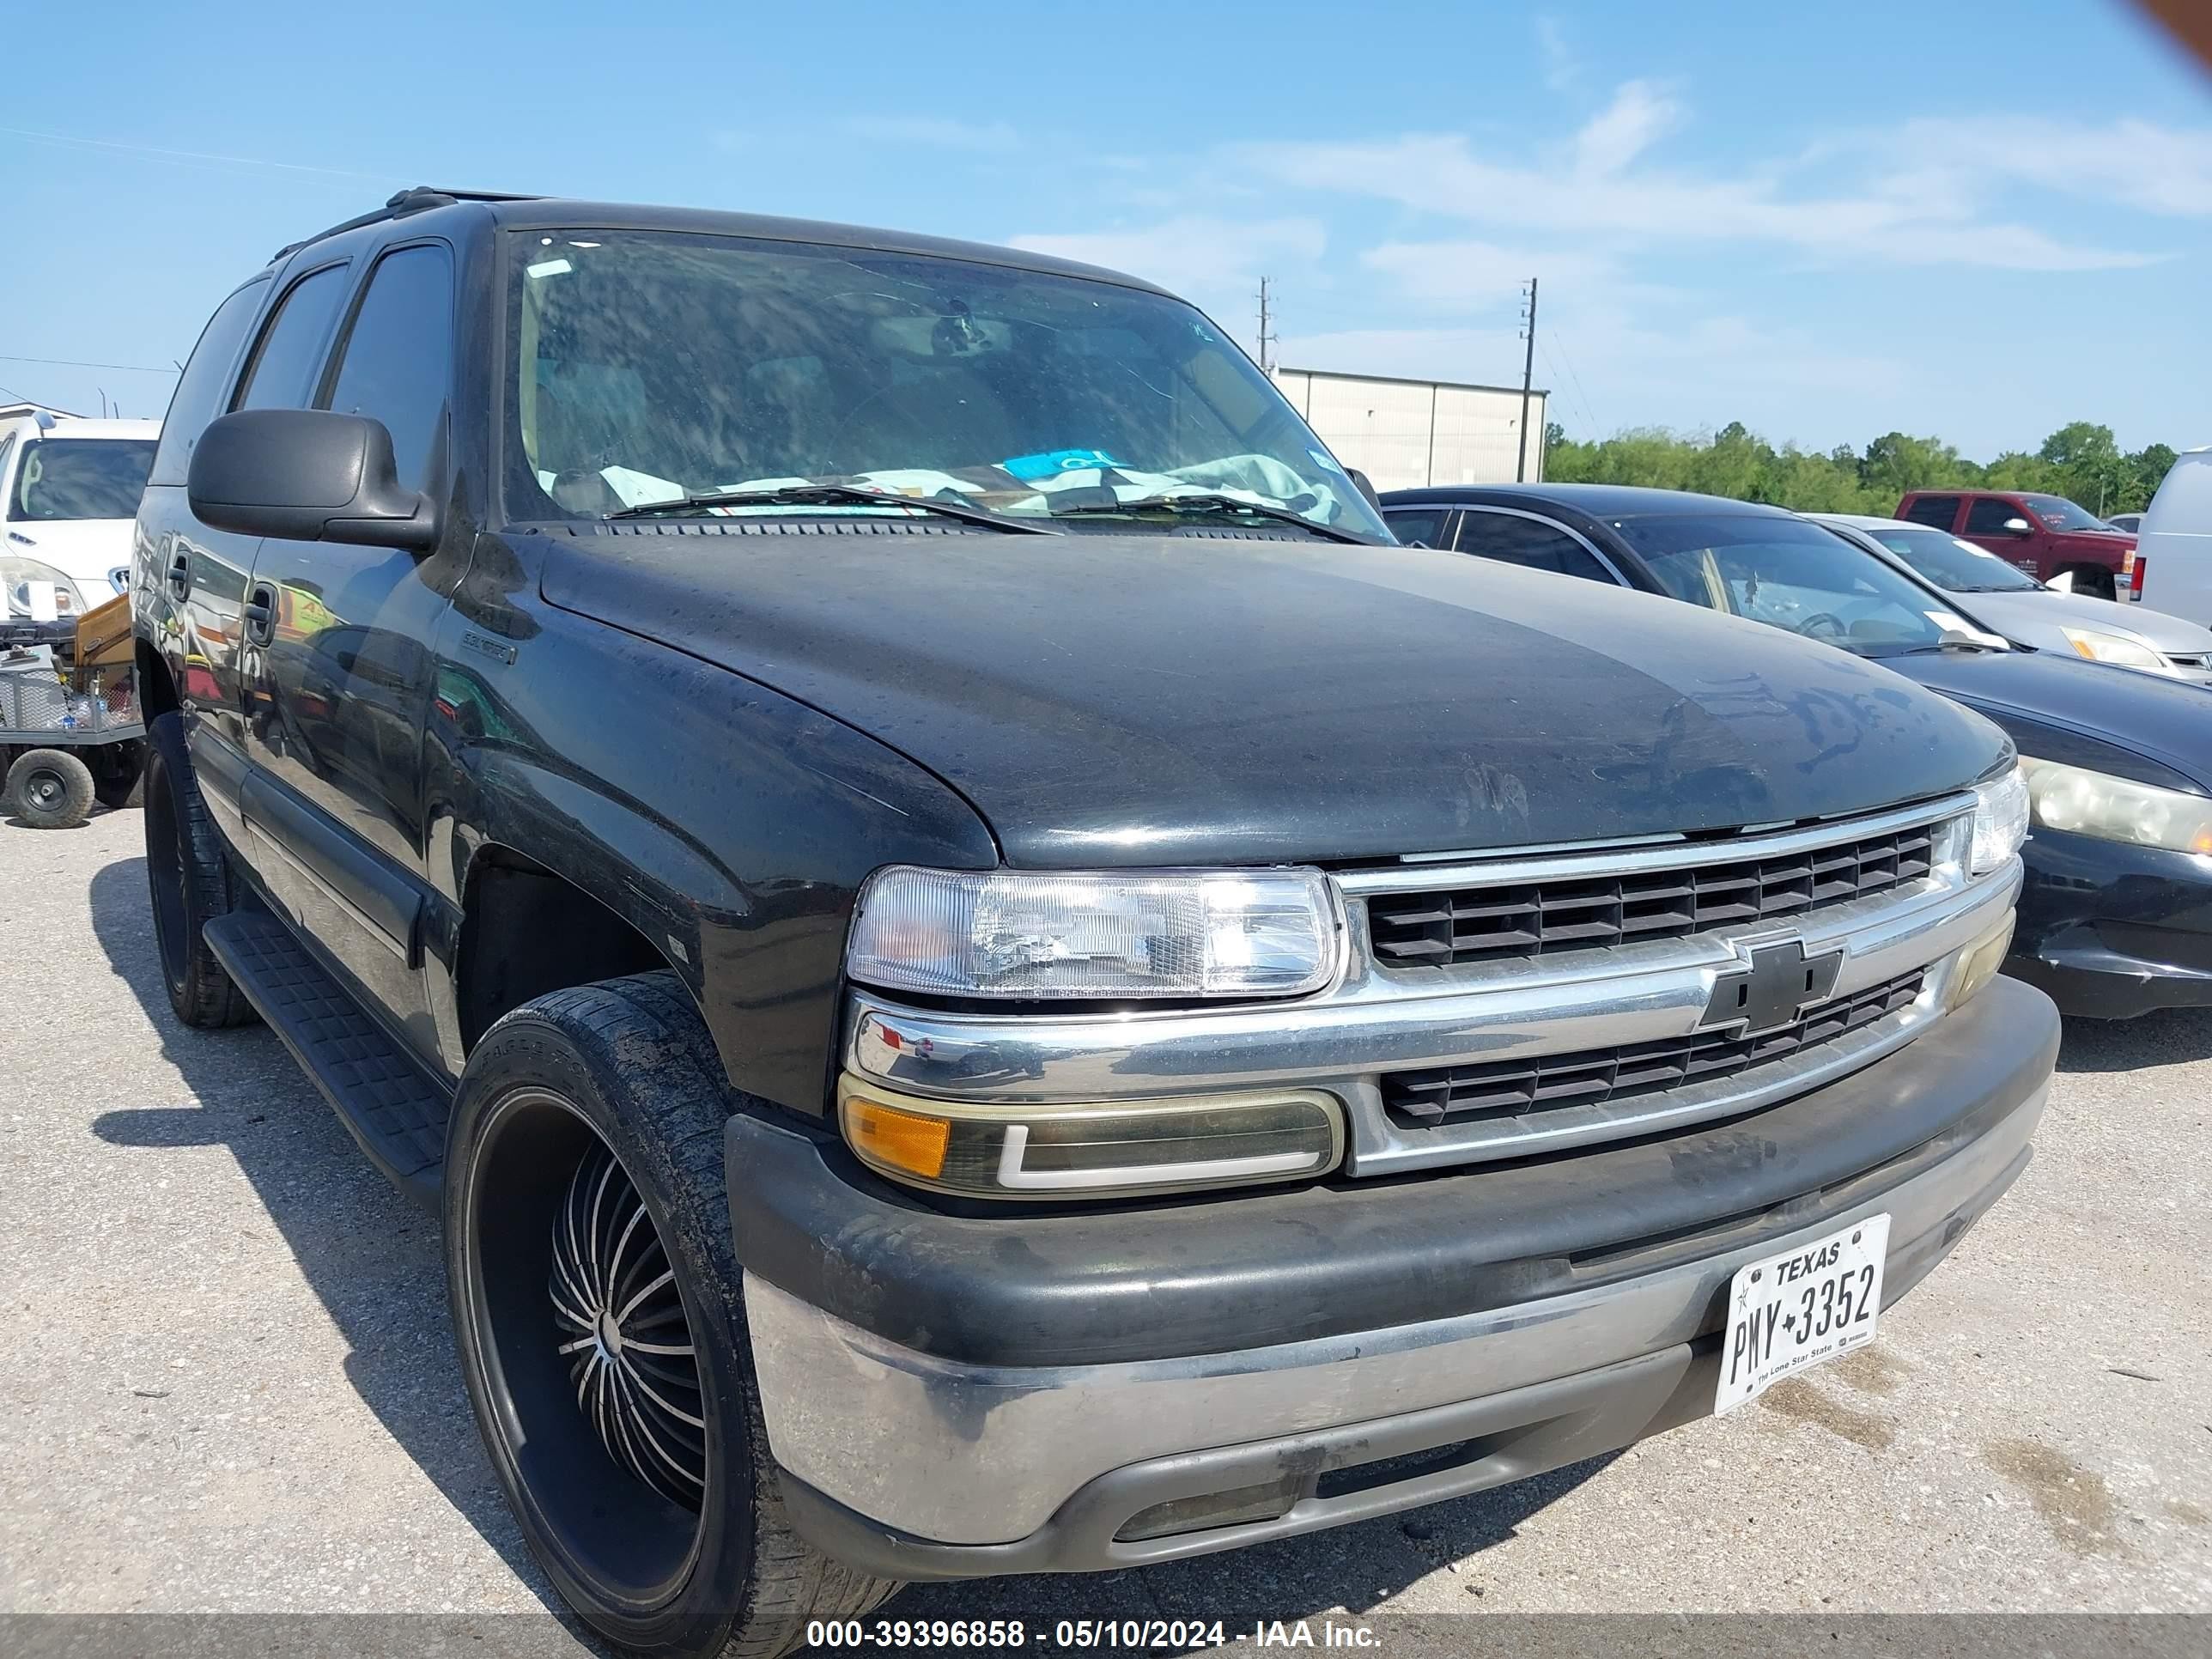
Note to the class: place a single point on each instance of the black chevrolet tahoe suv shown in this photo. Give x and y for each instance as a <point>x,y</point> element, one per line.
<point>987,976</point>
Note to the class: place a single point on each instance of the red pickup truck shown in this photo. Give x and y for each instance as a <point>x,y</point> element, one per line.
<point>2046,536</point>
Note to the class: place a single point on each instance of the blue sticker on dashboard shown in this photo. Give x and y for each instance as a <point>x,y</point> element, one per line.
<point>1052,462</point>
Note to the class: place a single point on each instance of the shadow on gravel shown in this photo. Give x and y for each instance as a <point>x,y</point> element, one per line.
<point>2171,1037</point>
<point>373,1257</point>
<point>375,1260</point>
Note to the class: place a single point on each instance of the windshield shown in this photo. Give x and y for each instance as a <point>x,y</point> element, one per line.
<point>1954,565</point>
<point>1793,574</point>
<point>2059,513</point>
<point>651,367</point>
<point>81,478</point>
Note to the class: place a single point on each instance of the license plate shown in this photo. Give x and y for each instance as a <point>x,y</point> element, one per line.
<point>1798,1309</point>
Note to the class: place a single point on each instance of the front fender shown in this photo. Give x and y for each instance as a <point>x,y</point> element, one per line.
<point>729,824</point>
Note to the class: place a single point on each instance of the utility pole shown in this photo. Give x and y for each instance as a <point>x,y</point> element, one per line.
<point>1528,379</point>
<point>1267,332</point>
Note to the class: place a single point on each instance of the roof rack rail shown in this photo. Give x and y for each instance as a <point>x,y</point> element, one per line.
<point>417,198</point>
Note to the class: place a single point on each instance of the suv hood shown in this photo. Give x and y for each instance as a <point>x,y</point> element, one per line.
<point>1168,699</point>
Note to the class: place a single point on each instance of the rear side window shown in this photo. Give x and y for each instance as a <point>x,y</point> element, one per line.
<point>1988,516</point>
<point>1422,524</point>
<point>283,368</point>
<point>1525,542</point>
<point>206,377</point>
<point>1941,511</point>
<point>398,355</point>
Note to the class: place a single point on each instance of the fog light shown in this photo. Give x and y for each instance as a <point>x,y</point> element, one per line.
<point>1980,962</point>
<point>1103,1148</point>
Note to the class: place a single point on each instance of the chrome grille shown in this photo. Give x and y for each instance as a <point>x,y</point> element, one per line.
<point>1525,1088</point>
<point>1577,912</point>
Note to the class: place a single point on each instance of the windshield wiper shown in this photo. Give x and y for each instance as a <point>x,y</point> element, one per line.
<point>1197,502</point>
<point>835,494</point>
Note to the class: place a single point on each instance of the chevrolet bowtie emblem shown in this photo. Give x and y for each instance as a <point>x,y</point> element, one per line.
<point>1779,983</point>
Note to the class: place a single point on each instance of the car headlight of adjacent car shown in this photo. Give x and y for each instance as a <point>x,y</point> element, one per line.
<point>1106,934</point>
<point>2077,801</point>
<point>16,576</point>
<point>2115,649</point>
<point>2001,810</point>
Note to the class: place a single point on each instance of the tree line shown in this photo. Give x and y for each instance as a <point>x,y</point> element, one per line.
<point>2080,461</point>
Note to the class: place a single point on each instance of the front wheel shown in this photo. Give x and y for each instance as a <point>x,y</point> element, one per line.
<point>596,1304</point>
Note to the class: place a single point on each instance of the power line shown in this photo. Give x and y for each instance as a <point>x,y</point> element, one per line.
<point>161,153</point>
<point>72,362</point>
<point>1568,358</point>
<point>1569,395</point>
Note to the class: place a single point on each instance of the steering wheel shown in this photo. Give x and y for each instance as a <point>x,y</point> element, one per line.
<point>1823,625</point>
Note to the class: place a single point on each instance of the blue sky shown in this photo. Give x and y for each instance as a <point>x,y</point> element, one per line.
<point>1973,221</point>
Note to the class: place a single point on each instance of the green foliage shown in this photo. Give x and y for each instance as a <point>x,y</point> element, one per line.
<point>2080,461</point>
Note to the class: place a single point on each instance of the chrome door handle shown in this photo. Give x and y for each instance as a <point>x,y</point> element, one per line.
<point>261,614</point>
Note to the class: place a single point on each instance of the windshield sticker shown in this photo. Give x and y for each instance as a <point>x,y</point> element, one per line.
<point>1029,468</point>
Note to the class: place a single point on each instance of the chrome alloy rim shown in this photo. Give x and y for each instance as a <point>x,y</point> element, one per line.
<point>620,1327</point>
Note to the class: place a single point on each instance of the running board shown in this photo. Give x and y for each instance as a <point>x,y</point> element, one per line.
<point>395,1109</point>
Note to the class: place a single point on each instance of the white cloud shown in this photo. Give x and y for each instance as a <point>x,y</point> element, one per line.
<point>1603,190</point>
<point>1561,71</point>
<point>1468,275</point>
<point>1638,116</point>
<point>2155,169</point>
<point>937,132</point>
<point>1197,255</point>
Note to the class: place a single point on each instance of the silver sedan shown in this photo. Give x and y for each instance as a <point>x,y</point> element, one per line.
<point>2005,600</point>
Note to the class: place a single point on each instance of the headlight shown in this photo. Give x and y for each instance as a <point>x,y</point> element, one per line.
<point>1105,1150</point>
<point>2000,822</point>
<point>16,576</point>
<point>2113,649</point>
<point>2078,802</point>
<point>1160,933</point>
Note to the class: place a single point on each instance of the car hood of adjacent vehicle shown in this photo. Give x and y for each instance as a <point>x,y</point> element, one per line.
<point>2126,721</point>
<point>2175,635</point>
<point>1159,700</point>
<point>83,550</point>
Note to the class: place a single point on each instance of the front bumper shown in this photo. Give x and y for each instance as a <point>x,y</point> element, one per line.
<point>953,1396</point>
<point>2111,930</point>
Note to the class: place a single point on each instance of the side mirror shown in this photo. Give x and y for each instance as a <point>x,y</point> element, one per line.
<point>1360,481</point>
<point>306,475</point>
<point>2061,583</point>
<point>2019,528</point>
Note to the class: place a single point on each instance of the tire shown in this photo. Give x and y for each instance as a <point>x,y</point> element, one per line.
<point>50,789</point>
<point>575,1111</point>
<point>122,787</point>
<point>188,880</point>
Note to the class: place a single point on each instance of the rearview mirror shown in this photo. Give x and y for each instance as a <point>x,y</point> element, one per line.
<point>2061,583</point>
<point>2019,528</point>
<point>306,475</point>
<point>1360,482</point>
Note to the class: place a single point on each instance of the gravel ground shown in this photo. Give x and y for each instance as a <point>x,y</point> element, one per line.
<point>227,1382</point>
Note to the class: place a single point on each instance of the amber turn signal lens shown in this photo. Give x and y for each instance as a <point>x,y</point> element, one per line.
<point>884,1135</point>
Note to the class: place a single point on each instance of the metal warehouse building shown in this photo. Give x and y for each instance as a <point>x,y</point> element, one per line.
<point>1406,433</point>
